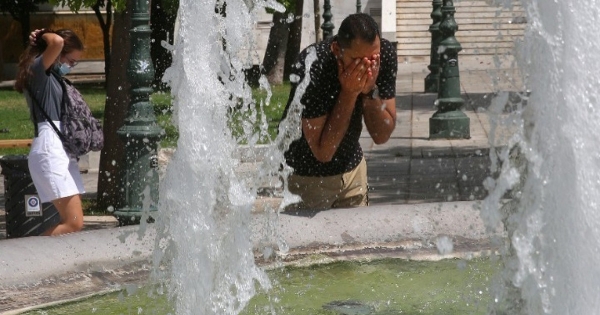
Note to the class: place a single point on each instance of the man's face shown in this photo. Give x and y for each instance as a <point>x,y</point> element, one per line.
<point>358,50</point>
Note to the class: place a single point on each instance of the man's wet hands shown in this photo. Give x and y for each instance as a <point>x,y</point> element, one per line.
<point>360,75</point>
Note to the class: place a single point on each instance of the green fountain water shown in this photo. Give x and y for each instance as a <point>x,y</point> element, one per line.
<point>390,286</point>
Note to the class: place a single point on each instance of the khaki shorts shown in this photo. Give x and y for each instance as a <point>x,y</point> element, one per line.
<point>339,191</point>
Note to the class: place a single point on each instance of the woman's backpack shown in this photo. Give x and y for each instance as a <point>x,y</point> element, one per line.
<point>80,132</point>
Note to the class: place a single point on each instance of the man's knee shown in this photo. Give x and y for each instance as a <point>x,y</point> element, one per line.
<point>358,200</point>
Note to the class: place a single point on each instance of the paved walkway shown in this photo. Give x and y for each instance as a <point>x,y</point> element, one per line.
<point>410,168</point>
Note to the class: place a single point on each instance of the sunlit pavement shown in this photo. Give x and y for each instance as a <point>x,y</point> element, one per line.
<point>419,189</point>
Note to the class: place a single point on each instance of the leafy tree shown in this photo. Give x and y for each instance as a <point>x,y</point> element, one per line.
<point>21,10</point>
<point>117,96</point>
<point>117,86</point>
<point>105,23</point>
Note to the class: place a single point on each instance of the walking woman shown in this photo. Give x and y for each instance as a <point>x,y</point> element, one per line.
<point>55,174</point>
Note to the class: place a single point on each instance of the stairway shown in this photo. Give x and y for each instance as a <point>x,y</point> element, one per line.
<point>483,29</point>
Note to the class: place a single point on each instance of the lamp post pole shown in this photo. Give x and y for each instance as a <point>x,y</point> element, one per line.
<point>327,24</point>
<point>431,81</point>
<point>449,121</point>
<point>140,132</point>
<point>358,6</point>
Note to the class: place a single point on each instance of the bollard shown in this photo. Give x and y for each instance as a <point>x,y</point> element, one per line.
<point>431,81</point>
<point>140,133</point>
<point>449,121</point>
<point>327,24</point>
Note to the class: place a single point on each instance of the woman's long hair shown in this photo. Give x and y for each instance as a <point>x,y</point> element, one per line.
<point>71,43</point>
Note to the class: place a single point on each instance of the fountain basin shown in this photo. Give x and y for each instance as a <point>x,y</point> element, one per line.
<point>38,271</point>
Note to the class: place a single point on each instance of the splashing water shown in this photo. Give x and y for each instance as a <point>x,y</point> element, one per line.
<point>552,166</point>
<point>204,217</point>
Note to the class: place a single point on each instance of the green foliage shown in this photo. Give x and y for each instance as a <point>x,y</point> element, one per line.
<point>76,5</point>
<point>18,125</point>
<point>288,4</point>
<point>170,6</point>
<point>245,120</point>
<point>240,119</point>
<point>119,5</point>
<point>163,109</point>
<point>90,207</point>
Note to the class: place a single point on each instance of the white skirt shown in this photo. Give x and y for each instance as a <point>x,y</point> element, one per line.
<point>54,174</point>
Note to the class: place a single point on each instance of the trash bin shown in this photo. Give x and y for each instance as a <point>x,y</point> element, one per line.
<point>24,214</point>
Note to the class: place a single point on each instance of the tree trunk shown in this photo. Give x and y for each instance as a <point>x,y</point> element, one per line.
<point>105,27</point>
<point>1,63</point>
<point>294,40</point>
<point>317,13</point>
<point>163,27</point>
<point>25,20</point>
<point>274,59</point>
<point>117,102</point>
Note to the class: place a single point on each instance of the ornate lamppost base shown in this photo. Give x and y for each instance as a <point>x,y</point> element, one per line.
<point>449,125</point>
<point>131,216</point>
<point>140,132</point>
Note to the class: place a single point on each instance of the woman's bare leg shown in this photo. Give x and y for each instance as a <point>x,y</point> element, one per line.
<point>71,216</point>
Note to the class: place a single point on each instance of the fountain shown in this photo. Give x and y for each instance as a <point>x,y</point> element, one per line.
<point>206,219</point>
<point>549,169</point>
<point>552,166</point>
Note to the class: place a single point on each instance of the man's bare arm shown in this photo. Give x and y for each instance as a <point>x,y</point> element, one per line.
<point>380,118</point>
<point>324,134</point>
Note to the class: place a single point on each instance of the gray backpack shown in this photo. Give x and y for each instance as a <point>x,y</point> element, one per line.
<point>80,132</point>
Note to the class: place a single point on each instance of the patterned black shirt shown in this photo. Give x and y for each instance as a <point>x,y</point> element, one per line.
<point>319,99</point>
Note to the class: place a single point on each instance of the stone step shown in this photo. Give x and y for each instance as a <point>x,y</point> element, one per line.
<point>461,15</point>
<point>464,44</point>
<point>483,28</point>
<point>464,27</point>
<point>459,9</point>
<point>463,40</point>
<point>462,22</point>
<point>467,3</point>
<point>423,54</point>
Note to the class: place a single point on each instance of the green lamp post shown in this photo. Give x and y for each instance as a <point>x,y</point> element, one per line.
<point>327,25</point>
<point>431,81</point>
<point>140,132</point>
<point>449,121</point>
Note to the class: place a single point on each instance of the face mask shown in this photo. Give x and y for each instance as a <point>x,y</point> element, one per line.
<point>63,69</point>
